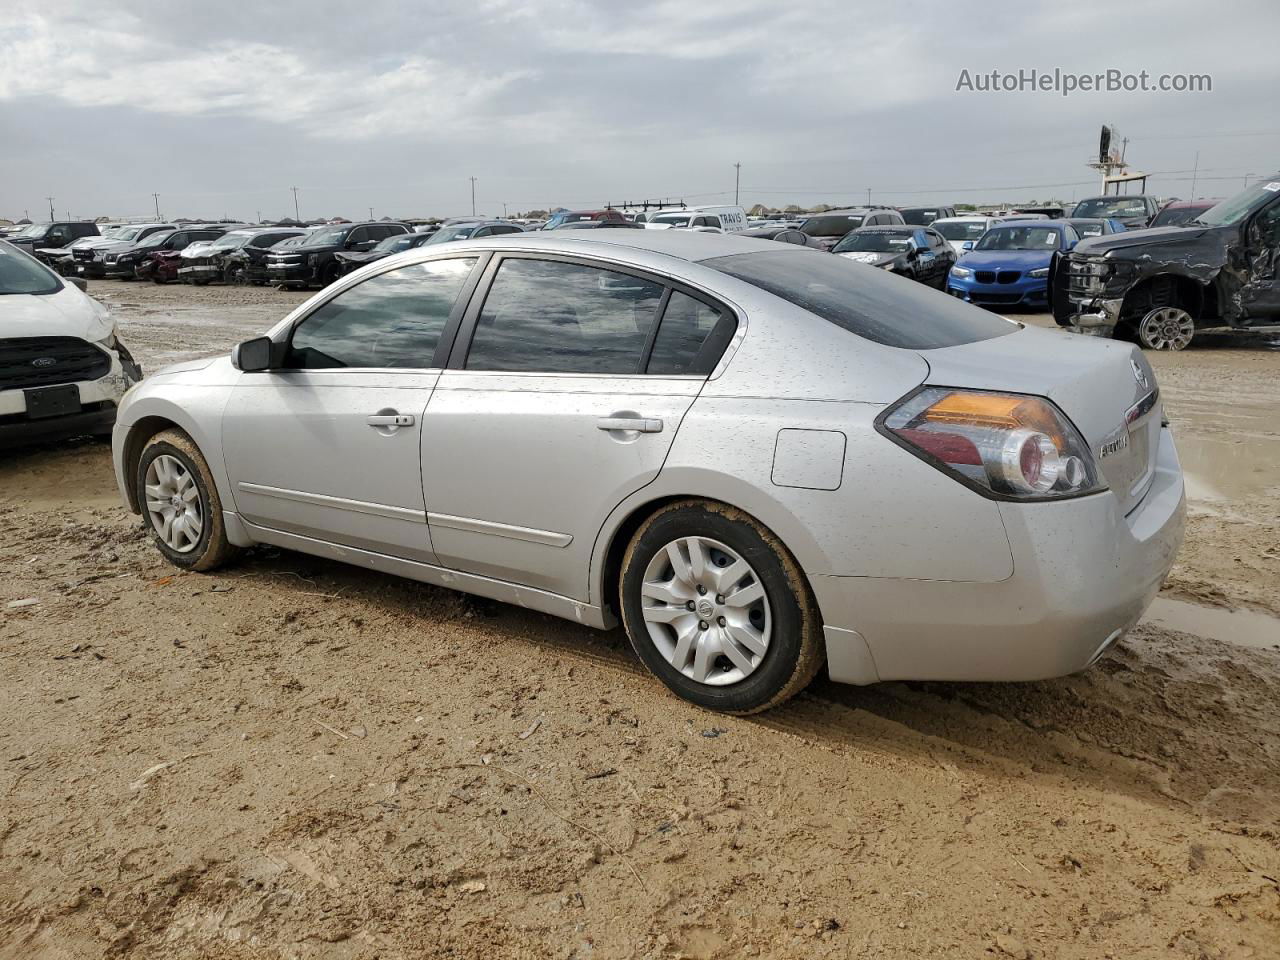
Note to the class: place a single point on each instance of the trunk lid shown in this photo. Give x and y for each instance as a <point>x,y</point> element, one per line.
<point>1106,389</point>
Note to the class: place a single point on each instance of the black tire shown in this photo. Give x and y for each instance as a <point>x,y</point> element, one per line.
<point>212,549</point>
<point>332,273</point>
<point>795,651</point>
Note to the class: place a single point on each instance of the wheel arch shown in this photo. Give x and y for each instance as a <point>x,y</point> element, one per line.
<point>692,484</point>
<point>158,414</point>
<point>1166,289</point>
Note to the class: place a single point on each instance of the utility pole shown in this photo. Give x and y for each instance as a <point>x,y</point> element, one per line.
<point>156,198</point>
<point>371,213</point>
<point>259,212</point>
<point>868,196</point>
<point>737,178</point>
<point>1246,178</point>
<point>296,215</point>
<point>504,209</point>
<point>1195,169</point>
<point>51,216</point>
<point>473,195</point>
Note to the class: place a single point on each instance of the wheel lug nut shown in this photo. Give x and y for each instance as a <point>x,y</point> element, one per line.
<point>721,621</point>
<point>701,589</point>
<point>690,605</point>
<point>719,598</point>
<point>703,625</point>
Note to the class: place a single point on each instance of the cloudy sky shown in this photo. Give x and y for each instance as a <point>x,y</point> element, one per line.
<point>221,107</point>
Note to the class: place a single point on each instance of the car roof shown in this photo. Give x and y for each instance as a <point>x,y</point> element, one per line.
<point>1010,224</point>
<point>845,211</point>
<point>1183,204</point>
<point>680,244</point>
<point>893,228</point>
<point>965,216</point>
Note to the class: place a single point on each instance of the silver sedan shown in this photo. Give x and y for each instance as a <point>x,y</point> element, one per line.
<point>759,460</point>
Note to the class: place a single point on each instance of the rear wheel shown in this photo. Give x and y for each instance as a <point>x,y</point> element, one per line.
<point>1166,328</point>
<point>718,609</point>
<point>180,504</point>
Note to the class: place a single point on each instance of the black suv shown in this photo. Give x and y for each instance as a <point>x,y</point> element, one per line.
<point>59,233</point>
<point>1159,286</point>
<point>314,262</point>
<point>828,227</point>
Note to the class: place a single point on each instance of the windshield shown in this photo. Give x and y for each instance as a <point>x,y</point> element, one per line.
<point>392,244</point>
<point>1234,209</point>
<point>1087,229</point>
<point>155,239</point>
<point>460,232</point>
<point>1019,238</point>
<point>229,241</point>
<point>961,229</point>
<point>32,230</point>
<point>127,234</point>
<point>837,226</point>
<point>869,303</point>
<point>1104,208</point>
<point>326,238</point>
<point>20,274</point>
<point>873,241</point>
<point>674,219</point>
<point>920,215</point>
<point>1174,216</point>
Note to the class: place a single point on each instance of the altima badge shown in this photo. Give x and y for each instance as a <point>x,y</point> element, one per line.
<point>1118,441</point>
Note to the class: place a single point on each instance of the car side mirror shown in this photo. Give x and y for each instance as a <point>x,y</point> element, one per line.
<point>254,356</point>
<point>967,246</point>
<point>79,283</point>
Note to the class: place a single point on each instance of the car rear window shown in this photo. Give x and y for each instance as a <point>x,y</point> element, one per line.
<point>865,300</point>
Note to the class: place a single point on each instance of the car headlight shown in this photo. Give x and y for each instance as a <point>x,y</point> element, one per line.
<point>1006,446</point>
<point>961,273</point>
<point>1039,274</point>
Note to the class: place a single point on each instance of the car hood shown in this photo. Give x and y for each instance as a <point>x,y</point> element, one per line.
<point>874,259</point>
<point>67,313</point>
<point>1165,236</point>
<point>1006,259</point>
<point>359,256</point>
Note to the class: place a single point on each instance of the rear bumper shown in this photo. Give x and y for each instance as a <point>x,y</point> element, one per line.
<point>1083,575</point>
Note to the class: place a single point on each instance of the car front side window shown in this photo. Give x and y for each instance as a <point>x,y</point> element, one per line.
<point>548,316</point>
<point>391,321</point>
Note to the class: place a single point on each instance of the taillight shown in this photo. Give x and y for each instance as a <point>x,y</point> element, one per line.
<point>1002,444</point>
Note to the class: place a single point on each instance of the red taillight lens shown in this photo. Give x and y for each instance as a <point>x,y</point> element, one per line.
<point>1007,444</point>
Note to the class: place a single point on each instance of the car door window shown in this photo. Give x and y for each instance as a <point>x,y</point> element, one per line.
<point>548,316</point>
<point>391,320</point>
<point>688,326</point>
<point>501,230</point>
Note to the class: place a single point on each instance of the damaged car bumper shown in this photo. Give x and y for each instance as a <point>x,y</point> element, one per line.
<point>1096,318</point>
<point>40,408</point>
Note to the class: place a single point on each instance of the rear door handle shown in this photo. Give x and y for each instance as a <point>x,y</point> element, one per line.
<point>390,420</point>
<point>638,424</point>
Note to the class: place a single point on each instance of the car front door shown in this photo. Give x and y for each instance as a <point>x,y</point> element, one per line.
<point>327,446</point>
<point>563,395</point>
<point>1262,254</point>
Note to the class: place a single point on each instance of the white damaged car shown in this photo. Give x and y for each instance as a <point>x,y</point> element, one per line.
<point>63,369</point>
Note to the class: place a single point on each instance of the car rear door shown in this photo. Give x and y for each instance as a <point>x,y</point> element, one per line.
<point>564,392</point>
<point>1262,249</point>
<point>328,446</point>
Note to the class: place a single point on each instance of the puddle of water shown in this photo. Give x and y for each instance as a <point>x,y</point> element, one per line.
<point>1244,627</point>
<point>1227,467</point>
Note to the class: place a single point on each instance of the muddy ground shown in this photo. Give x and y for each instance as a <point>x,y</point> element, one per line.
<point>294,758</point>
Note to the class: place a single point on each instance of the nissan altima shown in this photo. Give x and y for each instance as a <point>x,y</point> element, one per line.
<point>757,460</point>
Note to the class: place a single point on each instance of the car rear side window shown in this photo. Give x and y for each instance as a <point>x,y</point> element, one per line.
<point>547,316</point>
<point>869,303</point>
<point>391,320</point>
<point>691,337</point>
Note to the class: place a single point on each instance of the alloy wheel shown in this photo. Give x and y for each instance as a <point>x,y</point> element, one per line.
<point>174,503</point>
<point>1166,328</point>
<point>706,611</point>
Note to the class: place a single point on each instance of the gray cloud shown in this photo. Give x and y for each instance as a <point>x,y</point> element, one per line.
<point>394,105</point>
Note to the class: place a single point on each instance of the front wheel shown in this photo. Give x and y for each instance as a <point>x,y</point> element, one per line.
<point>180,504</point>
<point>718,609</point>
<point>1166,328</point>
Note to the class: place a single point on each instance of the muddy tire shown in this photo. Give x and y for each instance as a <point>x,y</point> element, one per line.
<point>180,504</point>
<point>718,609</point>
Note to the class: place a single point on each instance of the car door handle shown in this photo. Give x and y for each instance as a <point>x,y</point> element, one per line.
<point>390,420</point>
<point>638,424</point>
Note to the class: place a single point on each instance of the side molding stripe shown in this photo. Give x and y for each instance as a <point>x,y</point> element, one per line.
<point>337,503</point>
<point>547,538</point>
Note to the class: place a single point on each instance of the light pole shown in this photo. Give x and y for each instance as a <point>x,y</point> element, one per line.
<point>371,213</point>
<point>473,195</point>
<point>737,178</point>
<point>51,216</point>
<point>868,196</point>
<point>297,216</point>
<point>156,198</point>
